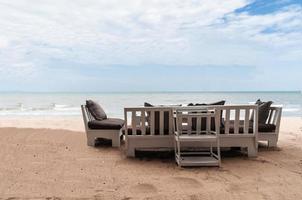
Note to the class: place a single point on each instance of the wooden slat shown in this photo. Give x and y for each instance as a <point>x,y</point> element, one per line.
<point>89,116</point>
<point>143,119</point>
<point>276,114</point>
<point>189,129</point>
<point>179,125</point>
<point>208,124</point>
<point>270,115</point>
<point>278,119</point>
<point>236,122</point>
<point>152,122</point>
<point>255,124</point>
<point>198,125</point>
<point>227,121</point>
<point>126,122</point>
<point>246,121</point>
<point>161,122</point>
<point>217,121</point>
<point>171,121</point>
<point>133,122</point>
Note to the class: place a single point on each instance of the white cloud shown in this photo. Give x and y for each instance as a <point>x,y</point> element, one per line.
<point>285,26</point>
<point>135,32</point>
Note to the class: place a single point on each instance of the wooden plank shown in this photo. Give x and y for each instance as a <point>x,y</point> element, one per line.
<point>255,125</point>
<point>236,122</point>
<point>161,122</point>
<point>126,122</point>
<point>276,114</point>
<point>208,124</point>
<point>270,115</point>
<point>198,125</point>
<point>143,119</point>
<point>227,121</point>
<point>171,121</point>
<point>152,122</point>
<point>247,121</point>
<point>278,120</point>
<point>133,122</point>
<point>189,129</point>
<point>179,125</point>
<point>89,116</point>
<point>217,122</point>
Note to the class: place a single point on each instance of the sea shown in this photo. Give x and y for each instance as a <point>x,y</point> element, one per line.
<point>37,104</point>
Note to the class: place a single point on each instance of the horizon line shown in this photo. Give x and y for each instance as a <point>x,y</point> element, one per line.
<point>164,91</point>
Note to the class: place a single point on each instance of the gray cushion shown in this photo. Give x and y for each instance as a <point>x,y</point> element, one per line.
<point>147,132</point>
<point>204,120</point>
<point>96,110</point>
<point>264,128</point>
<point>109,123</point>
<point>258,102</point>
<point>263,112</point>
<point>211,104</point>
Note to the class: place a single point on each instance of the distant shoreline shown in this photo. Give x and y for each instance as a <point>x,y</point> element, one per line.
<point>142,92</point>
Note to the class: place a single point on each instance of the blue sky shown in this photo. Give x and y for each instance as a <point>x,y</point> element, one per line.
<point>135,45</point>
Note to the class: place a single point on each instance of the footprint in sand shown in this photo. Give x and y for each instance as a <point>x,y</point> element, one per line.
<point>143,188</point>
<point>186,182</point>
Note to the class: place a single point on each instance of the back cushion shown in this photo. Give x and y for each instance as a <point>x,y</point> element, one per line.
<point>96,110</point>
<point>263,111</point>
<point>204,120</point>
<point>258,102</point>
<point>211,104</point>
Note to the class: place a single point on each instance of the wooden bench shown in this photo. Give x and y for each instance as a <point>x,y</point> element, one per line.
<point>141,131</point>
<point>239,124</point>
<point>274,118</point>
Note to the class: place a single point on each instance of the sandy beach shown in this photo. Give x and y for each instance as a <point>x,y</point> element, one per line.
<point>48,158</point>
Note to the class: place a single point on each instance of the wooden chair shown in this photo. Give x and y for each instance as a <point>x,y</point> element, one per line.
<point>274,119</point>
<point>93,134</point>
<point>195,128</point>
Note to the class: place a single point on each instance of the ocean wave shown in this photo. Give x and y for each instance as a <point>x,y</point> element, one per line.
<point>55,109</point>
<point>63,107</point>
<point>52,107</point>
<point>18,106</point>
<point>3,114</point>
<point>291,109</point>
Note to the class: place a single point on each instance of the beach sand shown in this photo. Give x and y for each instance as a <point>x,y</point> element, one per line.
<point>48,158</point>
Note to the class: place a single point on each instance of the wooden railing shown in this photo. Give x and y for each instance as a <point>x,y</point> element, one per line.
<point>274,116</point>
<point>243,119</point>
<point>235,119</point>
<point>149,120</point>
<point>201,121</point>
<point>86,116</point>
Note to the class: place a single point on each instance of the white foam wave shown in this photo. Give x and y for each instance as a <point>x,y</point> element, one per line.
<point>52,109</point>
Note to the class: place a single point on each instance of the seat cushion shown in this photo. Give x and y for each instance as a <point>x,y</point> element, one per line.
<point>109,123</point>
<point>147,132</point>
<point>96,110</point>
<point>263,128</point>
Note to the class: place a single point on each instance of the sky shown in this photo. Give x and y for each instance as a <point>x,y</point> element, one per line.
<point>154,45</point>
